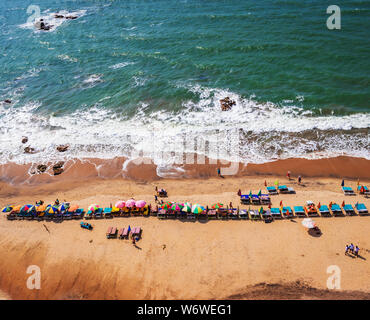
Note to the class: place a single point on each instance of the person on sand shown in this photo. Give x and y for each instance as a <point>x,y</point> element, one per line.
<point>219,172</point>
<point>155,198</point>
<point>357,249</point>
<point>347,249</point>
<point>231,205</point>
<point>56,202</point>
<point>299,179</point>
<point>351,247</point>
<point>239,192</point>
<point>288,175</point>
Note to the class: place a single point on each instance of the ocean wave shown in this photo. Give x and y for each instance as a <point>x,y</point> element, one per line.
<point>249,132</point>
<point>121,65</point>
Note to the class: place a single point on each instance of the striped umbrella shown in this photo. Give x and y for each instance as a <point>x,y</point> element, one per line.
<point>187,207</point>
<point>31,209</point>
<point>217,205</point>
<point>26,207</point>
<point>120,204</point>
<point>165,206</point>
<point>176,207</point>
<point>51,209</point>
<point>7,209</point>
<point>63,207</point>
<point>93,207</point>
<point>197,208</point>
<point>140,204</point>
<point>130,203</point>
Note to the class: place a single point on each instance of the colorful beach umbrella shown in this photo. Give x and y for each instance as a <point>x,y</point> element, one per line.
<point>217,205</point>
<point>165,206</point>
<point>7,209</point>
<point>250,194</point>
<point>308,223</point>
<point>197,208</point>
<point>186,207</point>
<point>51,209</point>
<point>93,207</point>
<point>41,208</point>
<point>26,207</point>
<point>140,204</point>
<point>120,204</point>
<point>73,208</point>
<point>130,203</point>
<point>17,208</point>
<point>176,207</point>
<point>63,207</point>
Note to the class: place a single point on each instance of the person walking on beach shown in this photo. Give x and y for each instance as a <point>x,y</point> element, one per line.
<point>351,247</point>
<point>239,192</point>
<point>299,179</point>
<point>347,249</point>
<point>219,172</point>
<point>288,175</point>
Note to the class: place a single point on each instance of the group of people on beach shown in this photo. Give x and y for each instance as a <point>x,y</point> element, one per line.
<point>352,249</point>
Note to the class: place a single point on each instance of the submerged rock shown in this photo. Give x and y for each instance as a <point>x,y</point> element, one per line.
<point>29,150</point>
<point>41,168</point>
<point>24,139</point>
<point>58,168</point>
<point>7,101</point>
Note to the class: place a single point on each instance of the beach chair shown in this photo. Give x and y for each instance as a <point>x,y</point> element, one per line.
<point>125,212</point>
<point>107,213</point>
<point>244,199</point>
<point>254,215</point>
<point>11,216</point>
<point>336,210</point>
<point>243,214</point>
<point>348,191</point>
<point>234,214</point>
<point>78,214</point>
<point>203,216</point>
<point>111,233</point>
<point>348,209</point>
<point>223,213</point>
<point>266,215</point>
<point>311,209</point>
<point>275,213</point>
<point>171,214</point>
<point>272,191</point>
<point>283,189</point>
<point>361,209</point>
<point>256,200</point>
<point>212,214</point>
<point>287,212</point>
<point>324,211</point>
<point>120,233</point>
<point>86,225</point>
<point>162,214</point>
<point>181,215</point>
<point>291,190</point>
<point>190,216</point>
<point>299,211</point>
<point>98,214</point>
<point>265,199</point>
<point>67,215</point>
<point>363,190</point>
<point>125,233</point>
<point>136,232</point>
<point>89,215</point>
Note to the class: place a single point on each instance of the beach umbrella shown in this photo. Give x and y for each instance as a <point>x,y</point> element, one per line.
<point>130,203</point>
<point>41,208</point>
<point>7,209</point>
<point>93,207</point>
<point>31,209</point>
<point>259,193</point>
<point>140,204</point>
<point>308,223</point>
<point>17,208</point>
<point>261,210</point>
<point>176,207</point>
<point>197,208</point>
<point>342,184</point>
<point>26,207</point>
<point>63,207</point>
<point>186,207</point>
<point>120,204</point>
<point>73,208</point>
<point>217,205</point>
<point>51,209</point>
<point>165,206</point>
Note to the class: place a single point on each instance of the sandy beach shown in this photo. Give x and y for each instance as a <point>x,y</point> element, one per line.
<point>186,260</point>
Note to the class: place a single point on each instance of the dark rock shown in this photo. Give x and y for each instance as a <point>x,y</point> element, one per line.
<point>62,148</point>
<point>29,150</point>
<point>58,16</point>
<point>58,165</point>
<point>7,101</point>
<point>71,17</point>
<point>57,171</point>
<point>24,139</point>
<point>41,168</point>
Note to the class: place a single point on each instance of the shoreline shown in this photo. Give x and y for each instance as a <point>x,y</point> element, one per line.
<point>144,170</point>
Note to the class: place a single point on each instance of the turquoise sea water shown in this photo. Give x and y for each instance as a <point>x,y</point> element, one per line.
<point>147,75</point>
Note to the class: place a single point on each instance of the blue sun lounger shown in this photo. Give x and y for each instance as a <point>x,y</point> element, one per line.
<point>283,189</point>
<point>348,191</point>
<point>275,212</point>
<point>299,211</point>
<point>107,213</point>
<point>366,190</point>
<point>272,190</point>
<point>256,199</point>
<point>361,209</point>
<point>287,212</point>
<point>324,210</point>
<point>336,210</point>
<point>244,199</point>
<point>348,209</point>
<point>254,214</point>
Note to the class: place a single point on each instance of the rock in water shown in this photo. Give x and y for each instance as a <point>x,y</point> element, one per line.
<point>62,148</point>
<point>29,150</point>
<point>24,139</point>
<point>41,168</point>
<point>58,168</point>
<point>8,101</point>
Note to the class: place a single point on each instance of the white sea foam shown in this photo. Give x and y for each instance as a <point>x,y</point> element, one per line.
<point>266,131</point>
<point>121,65</point>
